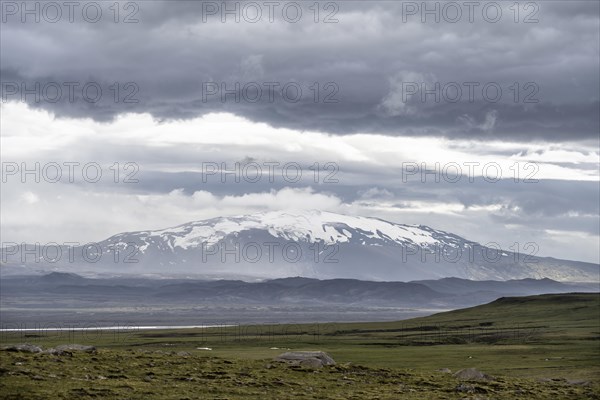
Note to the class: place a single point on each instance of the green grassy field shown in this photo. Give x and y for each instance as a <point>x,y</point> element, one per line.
<point>533,347</point>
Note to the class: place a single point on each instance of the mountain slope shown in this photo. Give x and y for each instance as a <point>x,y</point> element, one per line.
<point>311,244</point>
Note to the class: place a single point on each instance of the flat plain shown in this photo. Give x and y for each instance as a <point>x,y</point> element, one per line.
<point>534,347</point>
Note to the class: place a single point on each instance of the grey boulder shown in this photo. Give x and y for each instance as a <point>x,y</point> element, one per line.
<point>69,348</point>
<point>24,348</point>
<point>310,359</point>
<point>471,374</point>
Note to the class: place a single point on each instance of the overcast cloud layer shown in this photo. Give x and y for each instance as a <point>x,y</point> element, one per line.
<point>367,138</point>
<point>372,49</point>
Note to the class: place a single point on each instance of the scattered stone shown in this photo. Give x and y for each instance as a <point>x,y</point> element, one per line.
<point>203,348</point>
<point>471,374</point>
<point>148,378</point>
<point>465,388</point>
<point>76,347</point>
<point>311,363</point>
<point>37,378</point>
<point>117,376</point>
<point>310,359</point>
<point>183,354</point>
<point>23,348</point>
<point>578,382</point>
<point>444,370</point>
<point>69,348</point>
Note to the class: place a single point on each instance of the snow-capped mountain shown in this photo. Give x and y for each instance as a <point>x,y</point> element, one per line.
<point>301,226</point>
<point>306,243</point>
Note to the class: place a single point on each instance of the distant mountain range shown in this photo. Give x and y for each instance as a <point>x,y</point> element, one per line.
<point>447,292</point>
<point>311,244</point>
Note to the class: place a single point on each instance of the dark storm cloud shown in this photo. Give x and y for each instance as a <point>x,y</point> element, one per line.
<point>369,55</point>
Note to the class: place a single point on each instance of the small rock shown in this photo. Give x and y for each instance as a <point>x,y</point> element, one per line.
<point>309,358</point>
<point>68,348</point>
<point>23,348</point>
<point>444,370</point>
<point>465,388</point>
<point>578,382</point>
<point>183,354</point>
<point>311,363</point>
<point>471,374</point>
<point>76,347</point>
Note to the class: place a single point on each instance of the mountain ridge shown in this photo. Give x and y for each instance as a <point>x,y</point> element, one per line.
<point>293,290</point>
<point>312,244</point>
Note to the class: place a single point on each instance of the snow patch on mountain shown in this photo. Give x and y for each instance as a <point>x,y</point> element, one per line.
<point>301,226</point>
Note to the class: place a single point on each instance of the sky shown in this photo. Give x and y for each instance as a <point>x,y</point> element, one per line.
<point>480,120</point>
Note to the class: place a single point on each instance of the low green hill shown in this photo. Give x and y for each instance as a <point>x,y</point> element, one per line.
<point>533,347</point>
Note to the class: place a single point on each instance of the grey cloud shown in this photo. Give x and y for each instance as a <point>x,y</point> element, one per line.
<point>368,55</point>
<point>171,52</point>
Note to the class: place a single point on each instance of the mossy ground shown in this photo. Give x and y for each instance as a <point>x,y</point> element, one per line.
<point>137,374</point>
<point>543,347</point>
